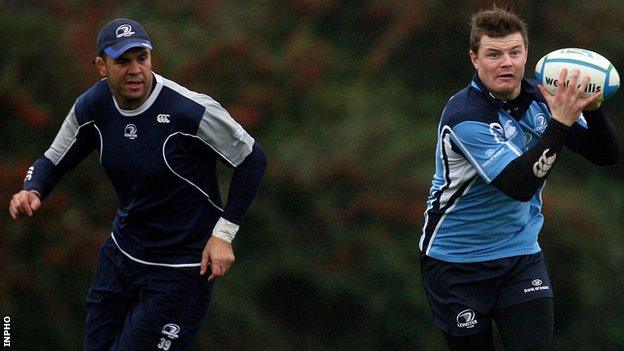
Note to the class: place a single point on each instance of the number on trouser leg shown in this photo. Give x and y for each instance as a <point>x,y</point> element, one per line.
<point>164,344</point>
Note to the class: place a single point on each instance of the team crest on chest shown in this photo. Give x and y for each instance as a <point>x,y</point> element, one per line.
<point>510,130</point>
<point>497,131</point>
<point>540,122</point>
<point>130,132</point>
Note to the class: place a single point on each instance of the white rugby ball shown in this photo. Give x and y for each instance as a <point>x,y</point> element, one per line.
<point>603,76</point>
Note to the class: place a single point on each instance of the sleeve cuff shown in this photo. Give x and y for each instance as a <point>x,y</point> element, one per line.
<point>225,230</point>
<point>557,130</point>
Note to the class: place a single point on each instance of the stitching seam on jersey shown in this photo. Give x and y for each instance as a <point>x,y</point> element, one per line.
<point>467,154</point>
<point>513,148</point>
<point>181,177</point>
<point>72,143</point>
<point>435,231</point>
<point>101,141</point>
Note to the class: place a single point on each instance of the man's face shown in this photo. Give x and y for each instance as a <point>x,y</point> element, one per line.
<point>500,64</point>
<point>129,76</point>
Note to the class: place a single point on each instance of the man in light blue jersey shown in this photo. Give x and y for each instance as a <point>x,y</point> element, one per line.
<point>159,144</point>
<point>498,140</point>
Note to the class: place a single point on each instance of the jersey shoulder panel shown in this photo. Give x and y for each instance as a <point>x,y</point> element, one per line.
<point>469,104</point>
<point>92,102</point>
<point>189,104</point>
<point>206,119</point>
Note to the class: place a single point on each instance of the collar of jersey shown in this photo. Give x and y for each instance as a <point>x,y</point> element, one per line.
<point>148,103</point>
<point>519,105</point>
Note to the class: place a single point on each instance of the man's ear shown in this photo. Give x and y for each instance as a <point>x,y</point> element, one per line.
<point>100,66</point>
<point>474,60</point>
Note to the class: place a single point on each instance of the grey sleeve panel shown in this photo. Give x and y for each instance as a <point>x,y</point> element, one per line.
<point>223,133</point>
<point>64,139</point>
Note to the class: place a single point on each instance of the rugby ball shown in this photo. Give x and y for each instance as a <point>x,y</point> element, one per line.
<point>603,76</point>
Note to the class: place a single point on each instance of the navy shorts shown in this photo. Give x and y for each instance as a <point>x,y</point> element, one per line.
<point>134,306</point>
<point>463,296</point>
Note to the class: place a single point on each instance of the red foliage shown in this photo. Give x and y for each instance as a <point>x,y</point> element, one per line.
<point>26,109</point>
<point>401,28</point>
<point>81,254</point>
<point>308,61</point>
<point>81,39</point>
<point>257,95</point>
<point>11,181</point>
<point>221,58</point>
<point>572,214</point>
<point>239,46</point>
<point>53,256</point>
<point>205,11</point>
<point>56,204</point>
<point>387,207</point>
<point>309,71</point>
<point>377,12</point>
<point>312,7</point>
<point>263,66</point>
<point>247,116</point>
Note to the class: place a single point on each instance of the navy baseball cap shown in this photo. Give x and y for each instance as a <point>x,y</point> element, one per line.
<point>119,35</point>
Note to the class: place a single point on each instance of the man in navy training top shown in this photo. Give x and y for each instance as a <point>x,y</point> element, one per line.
<point>498,140</point>
<point>158,143</point>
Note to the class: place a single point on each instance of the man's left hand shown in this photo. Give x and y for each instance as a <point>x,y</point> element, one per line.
<point>219,254</point>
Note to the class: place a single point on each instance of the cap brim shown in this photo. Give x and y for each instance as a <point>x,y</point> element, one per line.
<point>115,51</point>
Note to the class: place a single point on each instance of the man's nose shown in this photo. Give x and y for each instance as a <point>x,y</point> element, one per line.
<point>507,60</point>
<point>135,67</point>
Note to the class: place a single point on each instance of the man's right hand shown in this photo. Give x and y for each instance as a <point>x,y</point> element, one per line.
<point>568,102</point>
<point>26,201</point>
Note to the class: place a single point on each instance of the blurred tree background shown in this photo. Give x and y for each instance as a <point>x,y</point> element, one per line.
<point>345,97</point>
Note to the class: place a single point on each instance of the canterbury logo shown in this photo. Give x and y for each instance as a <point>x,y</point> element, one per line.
<point>29,173</point>
<point>544,164</point>
<point>163,118</point>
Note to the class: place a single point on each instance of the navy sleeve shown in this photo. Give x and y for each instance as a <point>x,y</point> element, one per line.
<point>598,143</point>
<point>524,175</point>
<point>244,184</point>
<point>42,176</point>
<point>70,146</point>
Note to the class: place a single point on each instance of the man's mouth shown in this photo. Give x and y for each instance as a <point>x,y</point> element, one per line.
<point>134,85</point>
<point>506,76</point>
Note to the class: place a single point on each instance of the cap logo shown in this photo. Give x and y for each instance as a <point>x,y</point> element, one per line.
<point>125,30</point>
